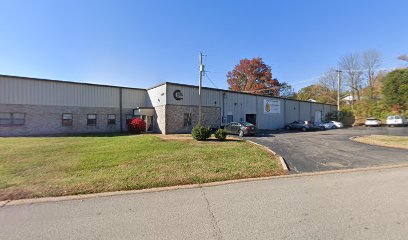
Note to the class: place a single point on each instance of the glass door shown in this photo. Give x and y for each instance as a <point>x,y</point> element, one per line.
<point>149,123</point>
<point>148,120</point>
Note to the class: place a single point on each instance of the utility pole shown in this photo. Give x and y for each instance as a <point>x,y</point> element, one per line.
<point>338,93</point>
<point>199,88</point>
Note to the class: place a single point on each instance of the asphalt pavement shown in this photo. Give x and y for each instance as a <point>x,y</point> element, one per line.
<point>358,205</point>
<point>332,149</point>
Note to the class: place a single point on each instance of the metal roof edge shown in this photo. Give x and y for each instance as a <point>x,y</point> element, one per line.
<point>64,81</point>
<point>252,94</point>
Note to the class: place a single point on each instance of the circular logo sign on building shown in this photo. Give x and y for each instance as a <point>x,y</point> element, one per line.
<point>178,95</point>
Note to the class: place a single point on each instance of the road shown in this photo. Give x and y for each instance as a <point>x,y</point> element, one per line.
<point>332,149</point>
<point>356,205</point>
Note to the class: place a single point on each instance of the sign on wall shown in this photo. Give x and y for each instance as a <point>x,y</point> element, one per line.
<point>178,95</point>
<point>271,106</point>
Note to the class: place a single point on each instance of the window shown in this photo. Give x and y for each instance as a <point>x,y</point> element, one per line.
<point>18,118</point>
<point>5,118</point>
<point>128,118</point>
<point>111,119</point>
<point>187,120</point>
<point>91,119</point>
<point>12,118</point>
<point>67,119</point>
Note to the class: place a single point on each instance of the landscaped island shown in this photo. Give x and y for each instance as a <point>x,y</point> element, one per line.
<point>56,166</point>
<point>385,141</point>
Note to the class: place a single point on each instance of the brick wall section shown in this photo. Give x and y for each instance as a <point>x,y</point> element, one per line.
<point>175,118</point>
<point>44,119</point>
<point>41,119</point>
<point>160,119</point>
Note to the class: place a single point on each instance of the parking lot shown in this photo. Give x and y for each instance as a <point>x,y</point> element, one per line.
<point>332,149</point>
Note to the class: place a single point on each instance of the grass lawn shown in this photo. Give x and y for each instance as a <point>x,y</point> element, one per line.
<point>56,166</point>
<point>386,141</point>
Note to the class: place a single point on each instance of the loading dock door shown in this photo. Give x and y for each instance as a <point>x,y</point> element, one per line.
<point>251,118</point>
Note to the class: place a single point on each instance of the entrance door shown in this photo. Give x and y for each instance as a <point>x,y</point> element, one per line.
<point>251,118</point>
<point>149,123</point>
<point>230,118</point>
<point>318,117</point>
<point>148,120</point>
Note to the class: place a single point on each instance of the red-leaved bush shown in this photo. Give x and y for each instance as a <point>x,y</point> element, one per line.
<point>136,125</point>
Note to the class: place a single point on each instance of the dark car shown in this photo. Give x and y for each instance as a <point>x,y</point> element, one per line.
<point>301,125</point>
<point>240,128</point>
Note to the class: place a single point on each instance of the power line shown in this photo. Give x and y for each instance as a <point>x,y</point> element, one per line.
<point>206,74</point>
<point>262,89</point>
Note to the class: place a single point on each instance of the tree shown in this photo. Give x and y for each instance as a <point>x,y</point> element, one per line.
<point>395,89</point>
<point>371,61</point>
<point>329,80</point>
<point>254,76</point>
<point>351,66</point>
<point>318,93</point>
<point>286,90</point>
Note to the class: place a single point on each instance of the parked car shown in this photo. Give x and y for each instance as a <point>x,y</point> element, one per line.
<point>241,128</point>
<point>331,125</point>
<point>318,126</point>
<point>301,125</point>
<point>396,120</point>
<point>372,122</point>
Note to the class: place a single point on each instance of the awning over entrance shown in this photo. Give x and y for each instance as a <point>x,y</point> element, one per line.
<point>147,111</point>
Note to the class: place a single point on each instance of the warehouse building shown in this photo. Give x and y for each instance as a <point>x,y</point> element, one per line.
<point>31,106</point>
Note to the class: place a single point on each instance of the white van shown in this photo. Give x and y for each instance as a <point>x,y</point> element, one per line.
<point>396,120</point>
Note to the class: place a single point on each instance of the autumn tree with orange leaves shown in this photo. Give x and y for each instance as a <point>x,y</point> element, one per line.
<point>253,76</point>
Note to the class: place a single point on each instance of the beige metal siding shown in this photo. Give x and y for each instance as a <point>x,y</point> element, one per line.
<point>292,111</point>
<point>326,111</point>
<point>14,90</point>
<point>269,120</point>
<point>316,107</point>
<point>238,105</point>
<point>42,92</point>
<point>133,98</point>
<point>210,98</point>
<point>305,111</point>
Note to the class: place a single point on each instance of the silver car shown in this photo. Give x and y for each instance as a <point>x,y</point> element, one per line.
<point>331,125</point>
<point>300,125</point>
<point>372,122</point>
<point>241,128</point>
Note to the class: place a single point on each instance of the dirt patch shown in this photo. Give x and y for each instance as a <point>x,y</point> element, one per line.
<point>8,194</point>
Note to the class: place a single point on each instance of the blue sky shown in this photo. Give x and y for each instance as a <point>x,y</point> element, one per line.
<point>143,43</point>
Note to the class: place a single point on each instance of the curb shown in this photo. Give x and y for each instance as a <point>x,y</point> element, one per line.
<point>191,186</point>
<point>281,159</point>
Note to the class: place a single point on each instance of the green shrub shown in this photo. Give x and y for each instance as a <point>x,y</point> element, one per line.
<point>201,133</point>
<point>220,134</point>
